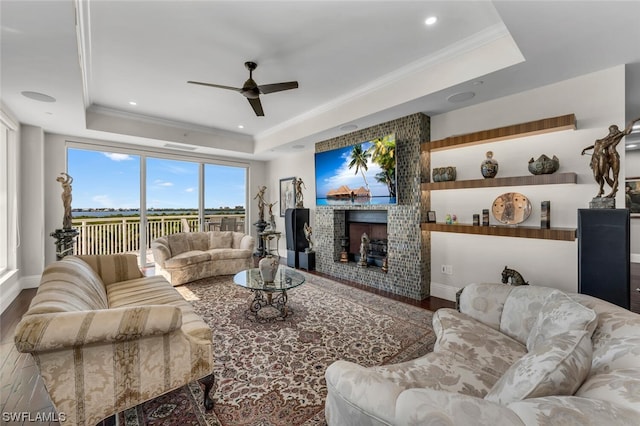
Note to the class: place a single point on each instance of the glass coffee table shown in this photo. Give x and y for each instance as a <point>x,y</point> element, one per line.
<point>273,294</point>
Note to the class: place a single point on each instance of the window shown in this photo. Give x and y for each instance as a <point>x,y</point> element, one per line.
<point>122,201</point>
<point>8,194</point>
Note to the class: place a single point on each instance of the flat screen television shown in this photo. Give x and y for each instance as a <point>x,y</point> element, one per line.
<point>360,174</point>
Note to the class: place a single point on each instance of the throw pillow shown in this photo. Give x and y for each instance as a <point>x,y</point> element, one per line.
<point>560,313</point>
<point>557,366</point>
<point>221,239</point>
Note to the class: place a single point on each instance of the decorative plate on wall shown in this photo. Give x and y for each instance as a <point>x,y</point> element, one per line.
<point>511,208</point>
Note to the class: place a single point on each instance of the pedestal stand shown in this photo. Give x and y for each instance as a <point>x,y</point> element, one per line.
<point>602,203</point>
<point>64,241</point>
<point>260,225</point>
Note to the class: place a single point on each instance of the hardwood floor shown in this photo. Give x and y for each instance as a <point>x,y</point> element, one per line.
<point>22,392</point>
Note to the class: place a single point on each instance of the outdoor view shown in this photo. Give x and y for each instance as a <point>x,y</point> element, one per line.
<point>106,199</point>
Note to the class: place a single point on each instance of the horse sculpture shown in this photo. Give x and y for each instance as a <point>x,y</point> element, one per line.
<point>512,277</point>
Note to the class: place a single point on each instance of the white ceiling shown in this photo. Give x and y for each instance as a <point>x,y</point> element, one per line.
<point>357,62</point>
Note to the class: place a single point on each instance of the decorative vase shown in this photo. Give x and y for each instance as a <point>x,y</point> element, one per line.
<point>268,267</point>
<point>489,167</point>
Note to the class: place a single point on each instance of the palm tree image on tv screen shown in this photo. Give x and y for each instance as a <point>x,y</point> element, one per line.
<point>361,174</point>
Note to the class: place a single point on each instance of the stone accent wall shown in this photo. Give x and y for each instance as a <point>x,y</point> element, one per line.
<point>408,247</point>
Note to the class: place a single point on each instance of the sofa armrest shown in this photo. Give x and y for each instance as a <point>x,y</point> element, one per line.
<point>114,268</point>
<point>435,407</point>
<point>46,332</point>
<point>247,242</point>
<point>161,251</point>
<point>484,302</point>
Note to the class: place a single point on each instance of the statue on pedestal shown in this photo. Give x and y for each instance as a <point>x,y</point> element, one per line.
<point>298,184</point>
<point>364,247</point>
<point>605,160</point>
<point>66,181</point>
<point>308,232</point>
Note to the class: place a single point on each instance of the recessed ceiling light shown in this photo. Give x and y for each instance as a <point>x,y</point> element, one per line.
<point>461,97</point>
<point>134,103</point>
<point>431,20</point>
<point>297,146</point>
<point>38,96</point>
<point>240,126</point>
<point>348,127</point>
<point>633,145</point>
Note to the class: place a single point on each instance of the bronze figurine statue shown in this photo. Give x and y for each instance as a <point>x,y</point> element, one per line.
<point>605,160</point>
<point>260,197</point>
<point>298,184</point>
<point>66,181</point>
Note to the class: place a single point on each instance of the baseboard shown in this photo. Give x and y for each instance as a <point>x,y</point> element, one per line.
<point>32,281</point>
<point>443,291</point>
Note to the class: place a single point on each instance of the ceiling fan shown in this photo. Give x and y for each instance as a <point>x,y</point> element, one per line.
<point>252,91</point>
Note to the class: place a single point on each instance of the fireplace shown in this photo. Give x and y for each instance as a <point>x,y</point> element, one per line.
<point>374,224</point>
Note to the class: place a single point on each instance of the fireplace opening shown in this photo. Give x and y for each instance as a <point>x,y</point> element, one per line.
<point>374,224</point>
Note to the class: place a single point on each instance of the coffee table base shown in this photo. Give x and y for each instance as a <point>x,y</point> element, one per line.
<point>263,299</point>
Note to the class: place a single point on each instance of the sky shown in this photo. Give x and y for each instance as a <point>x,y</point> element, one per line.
<point>332,171</point>
<point>111,180</point>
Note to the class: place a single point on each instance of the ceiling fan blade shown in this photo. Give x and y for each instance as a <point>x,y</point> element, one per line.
<point>257,106</point>
<point>235,89</point>
<point>277,87</point>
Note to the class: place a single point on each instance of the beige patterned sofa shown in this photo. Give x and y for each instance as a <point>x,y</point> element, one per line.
<point>190,256</point>
<point>105,338</point>
<point>513,356</point>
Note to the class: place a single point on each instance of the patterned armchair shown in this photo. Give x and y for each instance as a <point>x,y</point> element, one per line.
<point>105,338</point>
<point>522,355</point>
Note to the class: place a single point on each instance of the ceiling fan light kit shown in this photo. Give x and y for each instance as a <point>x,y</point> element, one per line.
<point>251,90</point>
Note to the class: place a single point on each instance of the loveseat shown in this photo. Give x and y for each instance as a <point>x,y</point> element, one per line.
<point>523,355</point>
<point>105,338</point>
<point>190,256</point>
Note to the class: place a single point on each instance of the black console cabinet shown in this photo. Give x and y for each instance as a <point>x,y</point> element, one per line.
<point>603,254</point>
<point>294,230</point>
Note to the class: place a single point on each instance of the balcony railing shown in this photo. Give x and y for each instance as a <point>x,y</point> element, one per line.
<point>113,235</point>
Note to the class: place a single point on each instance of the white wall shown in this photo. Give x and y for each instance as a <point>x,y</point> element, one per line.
<point>32,208</point>
<point>598,101</point>
<point>301,165</point>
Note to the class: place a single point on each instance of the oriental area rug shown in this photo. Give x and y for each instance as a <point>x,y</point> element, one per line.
<point>272,373</point>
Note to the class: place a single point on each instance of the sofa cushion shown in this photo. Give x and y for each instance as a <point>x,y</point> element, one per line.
<point>558,314</point>
<point>69,285</point>
<point>115,267</point>
<point>187,258</point>
<point>178,243</point>
<point>621,387</point>
<point>199,241</point>
<point>474,341</point>
<point>484,302</point>
<point>521,309</point>
<point>227,253</point>
<point>221,239</point>
<point>237,239</point>
<point>556,366</point>
<point>155,291</point>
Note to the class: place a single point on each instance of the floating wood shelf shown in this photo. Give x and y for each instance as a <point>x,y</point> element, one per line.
<point>546,125</point>
<point>559,234</point>
<point>551,179</point>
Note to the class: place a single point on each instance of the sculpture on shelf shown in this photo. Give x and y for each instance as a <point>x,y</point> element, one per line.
<point>308,232</point>
<point>605,160</point>
<point>512,277</point>
<point>260,197</point>
<point>66,180</point>
<point>298,184</point>
<point>364,247</point>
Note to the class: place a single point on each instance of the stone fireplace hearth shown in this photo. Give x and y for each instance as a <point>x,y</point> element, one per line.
<point>407,247</point>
